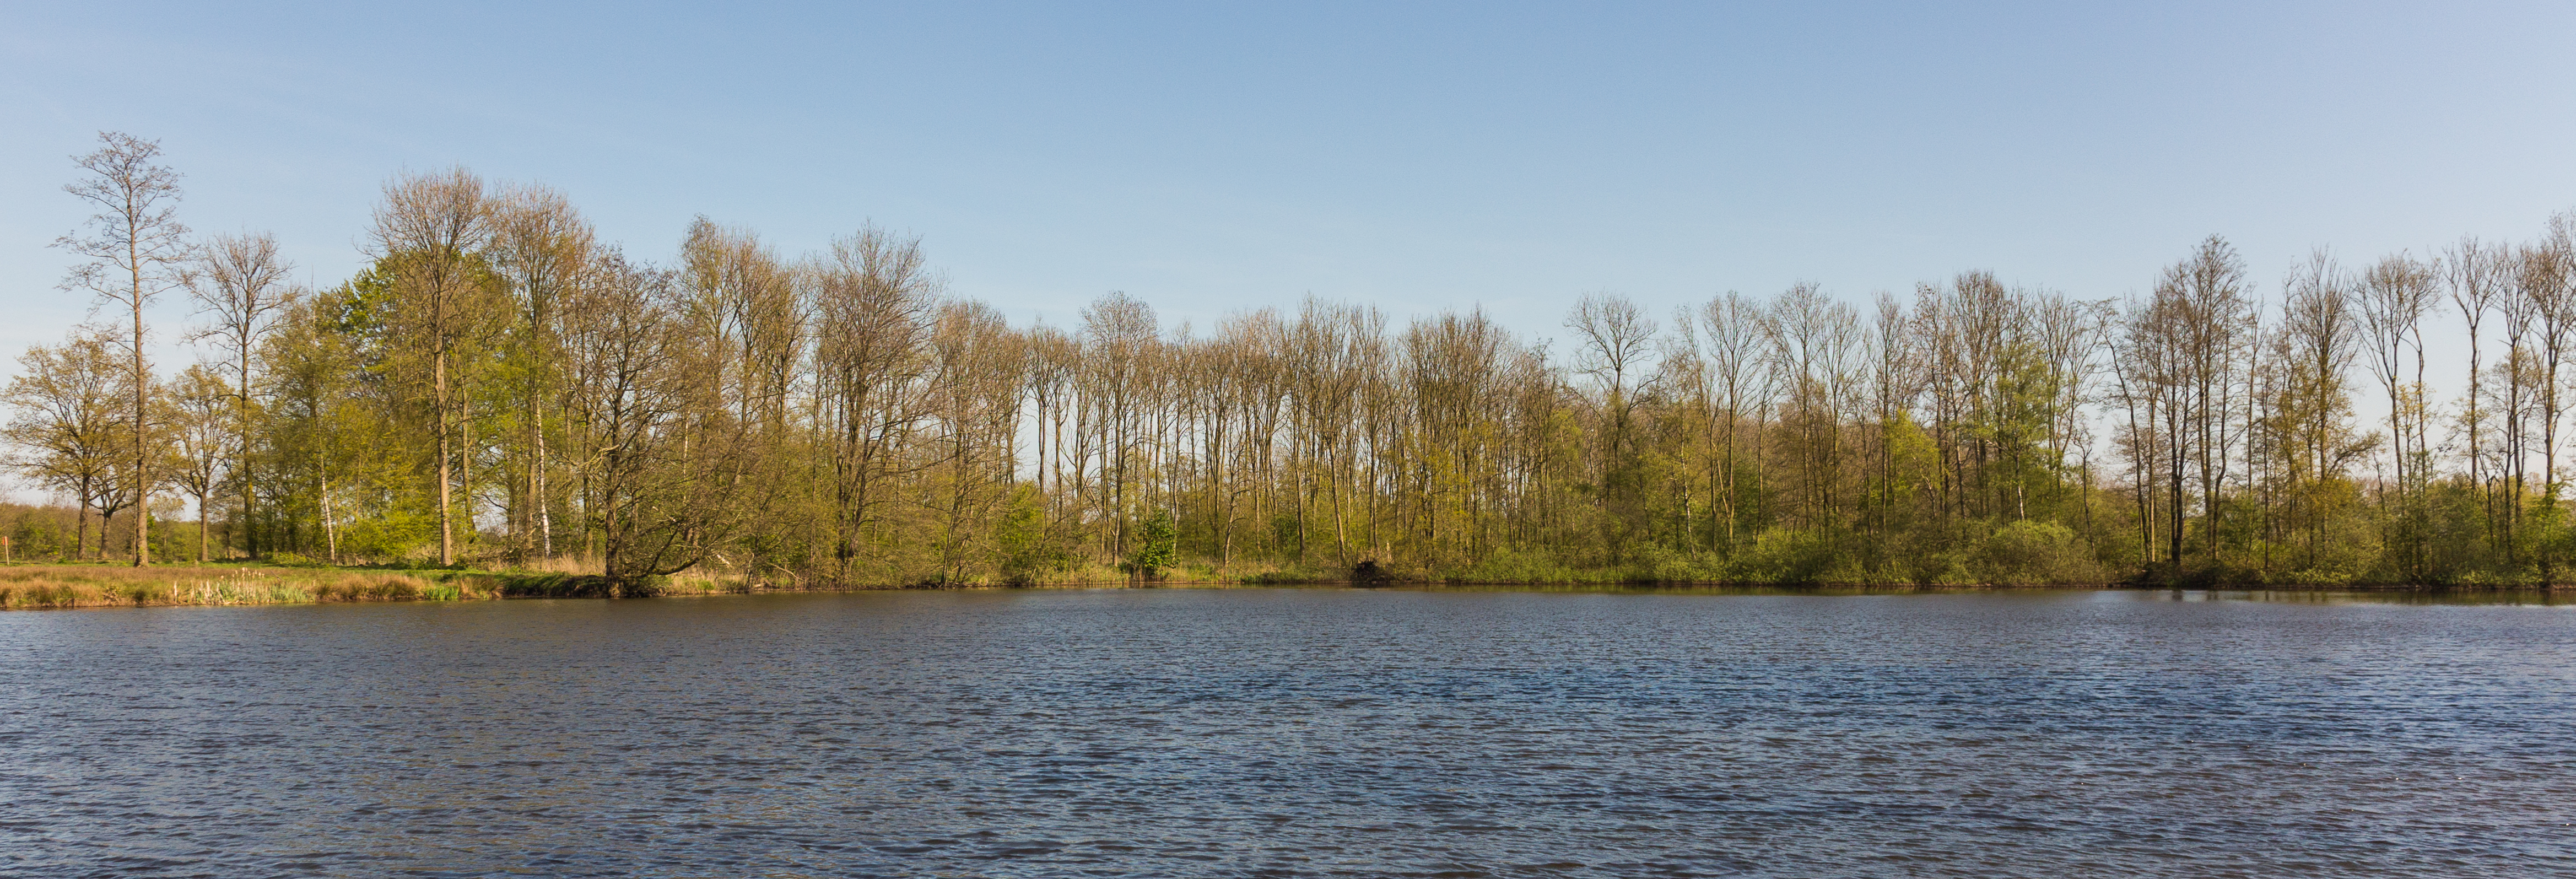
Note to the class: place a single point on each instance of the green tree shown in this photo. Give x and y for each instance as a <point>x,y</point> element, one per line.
<point>1157,548</point>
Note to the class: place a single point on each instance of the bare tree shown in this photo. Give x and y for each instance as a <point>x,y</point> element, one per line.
<point>1119,338</point>
<point>1814,344</point>
<point>2320,335</point>
<point>242,282</point>
<point>1453,367</point>
<point>1894,384</point>
<point>2067,334</point>
<point>1742,379</point>
<point>2211,320</point>
<point>135,245</point>
<point>974,392</point>
<point>2470,270</point>
<point>2544,274</point>
<point>664,461</point>
<point>2395,294</point>
<point>873,301</point>
<point>1616,339</point>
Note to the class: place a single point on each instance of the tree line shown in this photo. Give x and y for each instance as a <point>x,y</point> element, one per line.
<point>500,387</point>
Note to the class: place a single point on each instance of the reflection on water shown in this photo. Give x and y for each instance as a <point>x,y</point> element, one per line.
<point>2530,597</point>
<point>1282,732</point>
<point>2501,597</point>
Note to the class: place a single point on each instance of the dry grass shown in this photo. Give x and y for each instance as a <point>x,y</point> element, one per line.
<point>29,586</point>
<point>571,565</point>
<point>58,586</point>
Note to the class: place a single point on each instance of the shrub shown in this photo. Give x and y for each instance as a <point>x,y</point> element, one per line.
<point>1789,556</point>
<point>1027,550</point>
<point>2030,553</point>
<point>1159,550</point>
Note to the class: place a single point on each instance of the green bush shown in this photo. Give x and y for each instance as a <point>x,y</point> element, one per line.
<point>2031,553</point>
<point>1791,556</point>
<point>1159,548</point>
<point>1027,550</point>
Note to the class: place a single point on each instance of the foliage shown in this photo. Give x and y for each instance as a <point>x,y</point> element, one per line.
<point>1157,548</point>
<point>1029,549</point>
<point>498,389</point>
<point>2028,553</point>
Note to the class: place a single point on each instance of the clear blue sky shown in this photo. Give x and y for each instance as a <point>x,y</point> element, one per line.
<point>1208,157</point>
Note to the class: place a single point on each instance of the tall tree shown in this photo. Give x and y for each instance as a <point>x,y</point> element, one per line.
<point>427,232</point>
<point>2209,317</point>
<point>1118,338</point>
<point>873,297</point>
<point>2470,270</point>
<point>1616,338</point>
<point>664,456</point>
<point>1742,379</point>
<point>2395,294</point>
<point>241,281</point>
<point>2544,275</point>
<point>2320,335</point>
<point>135,245</point>
<point>544,251</point>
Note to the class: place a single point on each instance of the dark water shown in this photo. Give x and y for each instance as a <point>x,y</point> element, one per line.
<point>1294,732</point>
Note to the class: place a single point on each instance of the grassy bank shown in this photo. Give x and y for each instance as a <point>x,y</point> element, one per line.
<point>111,585</point>
<point>36,586</point>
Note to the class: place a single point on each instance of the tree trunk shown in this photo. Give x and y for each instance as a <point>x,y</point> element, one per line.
<point>446,457</point>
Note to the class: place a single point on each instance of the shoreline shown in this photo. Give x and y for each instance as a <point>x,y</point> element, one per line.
<point>92,586</point>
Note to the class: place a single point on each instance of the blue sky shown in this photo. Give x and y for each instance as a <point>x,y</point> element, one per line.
<point>1211,157</point>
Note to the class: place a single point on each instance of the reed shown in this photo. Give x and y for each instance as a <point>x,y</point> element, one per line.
<point>66,586</point>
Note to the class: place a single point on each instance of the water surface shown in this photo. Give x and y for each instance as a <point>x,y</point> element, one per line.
<point>1295,732</point>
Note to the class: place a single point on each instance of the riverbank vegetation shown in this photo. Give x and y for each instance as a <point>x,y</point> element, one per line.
<point>288,578</point>
<point>501,388</point>
<point>96,585</point>
<point>291,579</point>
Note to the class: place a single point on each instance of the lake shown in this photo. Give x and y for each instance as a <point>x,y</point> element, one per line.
<point>1296,732</point>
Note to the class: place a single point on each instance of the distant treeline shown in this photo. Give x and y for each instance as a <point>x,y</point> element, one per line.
<point>501,387</point>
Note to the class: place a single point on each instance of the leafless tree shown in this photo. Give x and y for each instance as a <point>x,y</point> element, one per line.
<point>2210,318</point>
<point>2320,335</point>
<point>873,299</point>
<point>1814,344</point>
<point>1743,381</point>
<point>1118,338</point>
<point>136,247</point>
<point>2544,274</point>
<point>1616,339</point>
<point>2471,273</point>
<point>241,281</point>
<point>2395,294</point>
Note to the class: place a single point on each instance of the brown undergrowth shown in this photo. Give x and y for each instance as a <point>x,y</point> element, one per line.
<point>64,586</point>
<point>36,586</point>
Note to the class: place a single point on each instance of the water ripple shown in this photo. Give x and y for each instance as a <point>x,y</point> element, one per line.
<point>1293,733</point>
